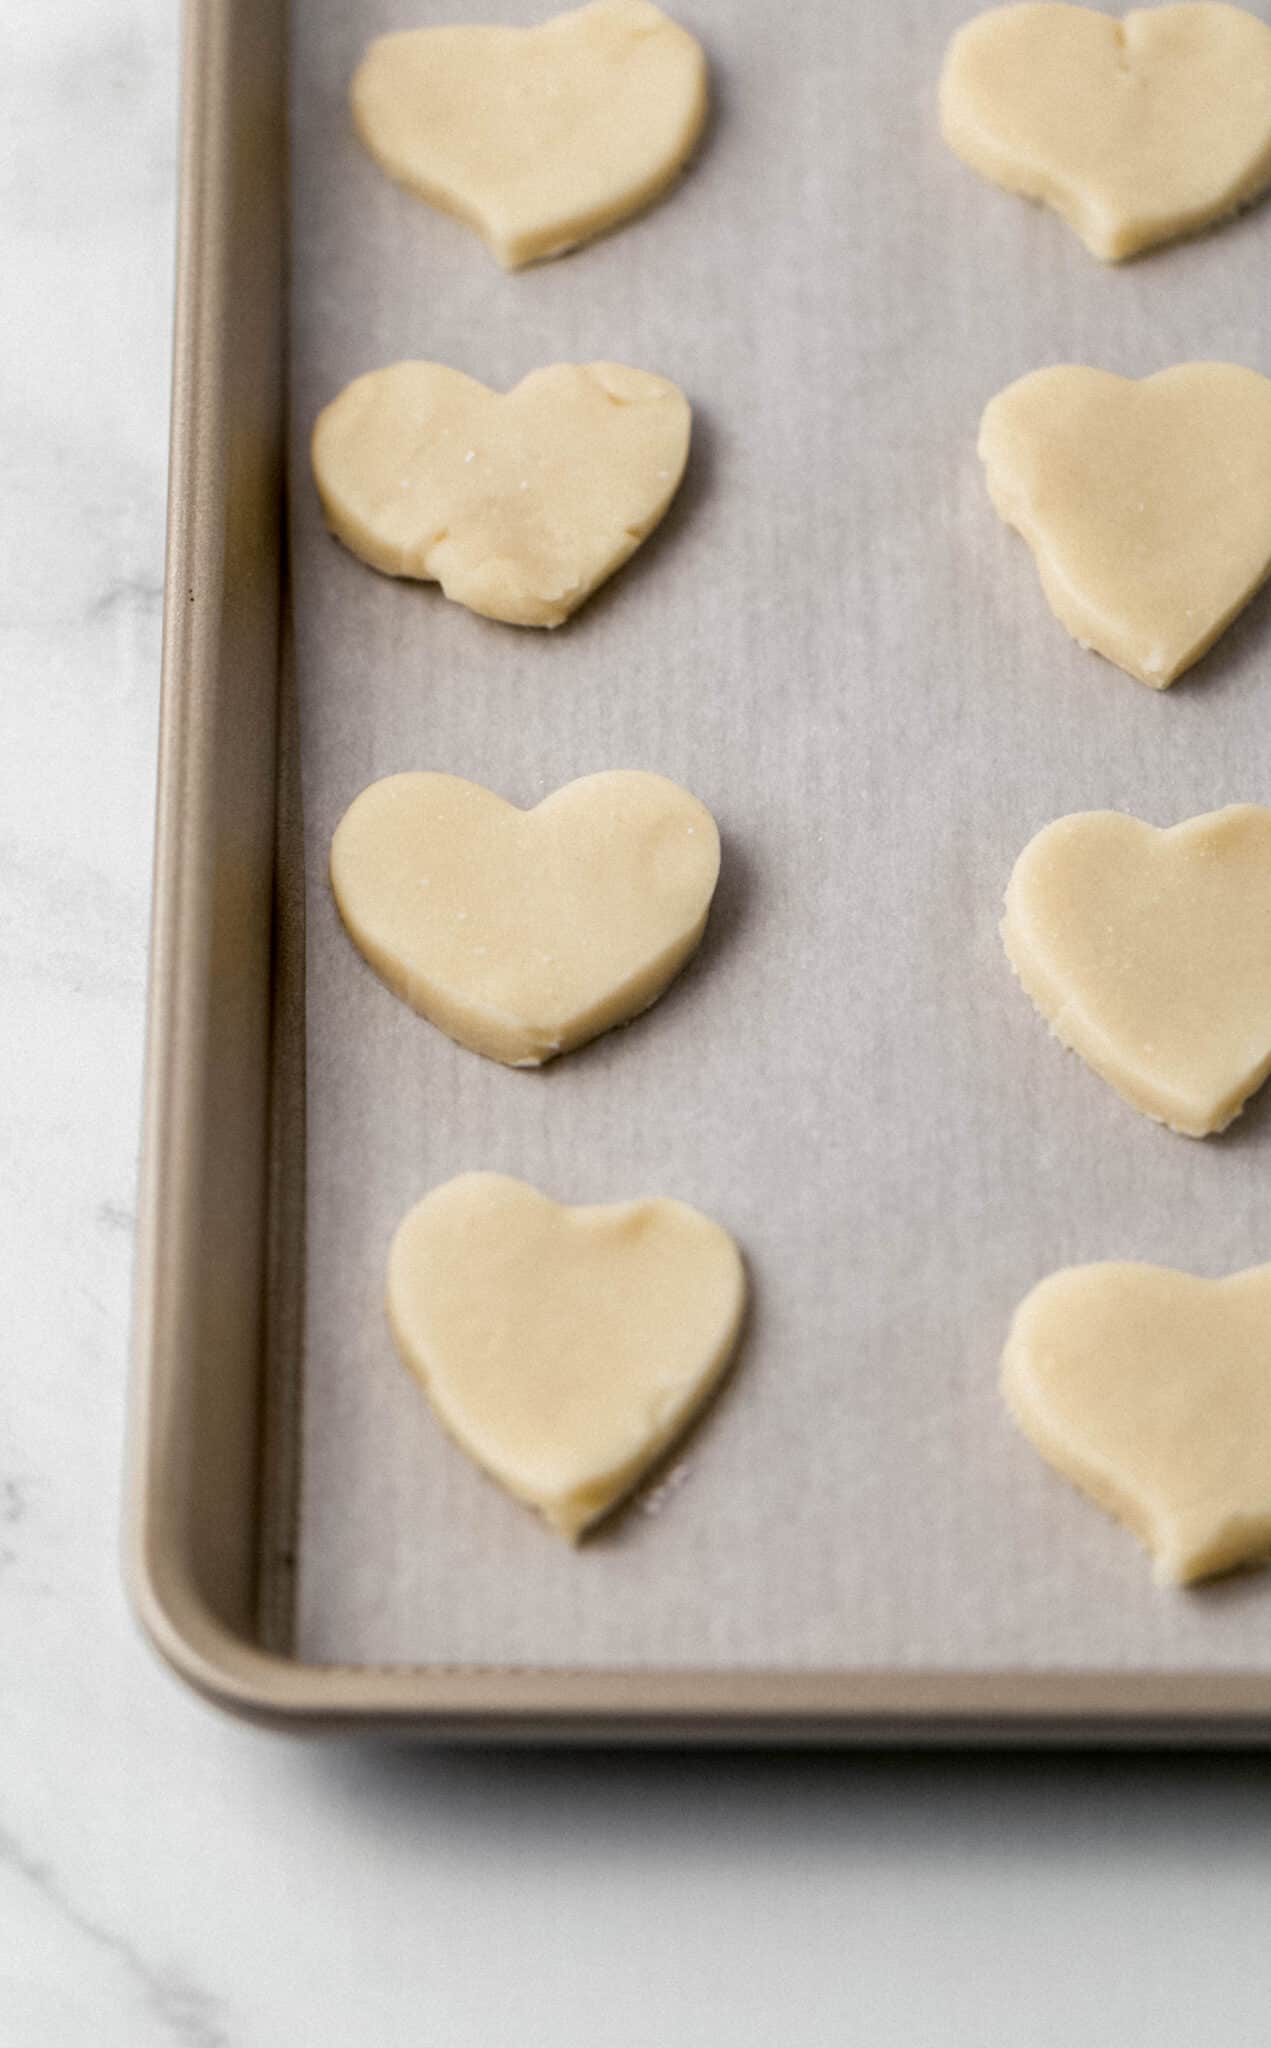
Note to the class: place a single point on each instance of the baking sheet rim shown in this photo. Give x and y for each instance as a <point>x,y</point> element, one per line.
<point>232,1672</point>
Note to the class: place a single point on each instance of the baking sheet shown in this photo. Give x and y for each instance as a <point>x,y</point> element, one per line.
<point>836,645</point>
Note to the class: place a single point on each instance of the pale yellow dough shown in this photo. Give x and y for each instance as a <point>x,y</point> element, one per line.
<point>538,138</point>
<point>1149,952</point>
<point>520,503</point>
<point>1151,1390</point>
<point>1135,130</point>
<point>522,934</point>
<point>1147,505</point>
<point>565,1349</point>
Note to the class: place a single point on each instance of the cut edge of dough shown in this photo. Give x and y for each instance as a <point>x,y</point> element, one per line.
<point>516,249</point>
<point>516,1041</point>
<point>498,589</point>
<point>1109,237</point>
<point>572,1512</point>
<point>1185,1548</point>
<point>498,1034</point>
<point>575,1514</point>
<point>1073,1027</point>
<point>1072,1460</point>
<point>1089,628</point>
<point>982,153</point>
<point>1078,1032</point>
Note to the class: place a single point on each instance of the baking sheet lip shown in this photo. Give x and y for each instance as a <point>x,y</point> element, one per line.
<point>880,1705</point>
<point>155,1535</point>
<point>174,862</point>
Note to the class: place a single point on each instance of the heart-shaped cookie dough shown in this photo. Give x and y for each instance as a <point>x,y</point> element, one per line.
<point>1147,505</point>
<point>538,138</point>
<point>1149,953</point>
<point>522,934</point>
<point>1136,131</point>
<point>1151,1390</point>
<point>565,1349</point>
<point>519,504</point>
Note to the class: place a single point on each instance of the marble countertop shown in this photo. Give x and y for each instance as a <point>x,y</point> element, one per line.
<point>167,1877</point>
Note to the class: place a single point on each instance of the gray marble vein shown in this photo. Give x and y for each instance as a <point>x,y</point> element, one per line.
<point>189,2016</point>
<point>14,1505</point>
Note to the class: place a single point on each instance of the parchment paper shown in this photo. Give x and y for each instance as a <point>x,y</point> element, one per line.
<point>836,645</point>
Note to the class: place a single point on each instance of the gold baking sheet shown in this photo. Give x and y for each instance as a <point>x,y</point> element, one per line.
<point>837,646</point>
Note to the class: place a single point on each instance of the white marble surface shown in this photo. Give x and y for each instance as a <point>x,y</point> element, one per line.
<point>168,1878</point>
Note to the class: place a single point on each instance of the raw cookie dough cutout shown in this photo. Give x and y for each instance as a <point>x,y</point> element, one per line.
<point>518,503</point>
<point>1149,953</point>
<point>1151,1390</point>
<point>1147,505</point>
<point>1136,131</point>
<point>538,138</point>
<point>523,934</point>
<point>564,1348</point>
